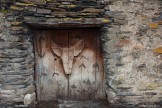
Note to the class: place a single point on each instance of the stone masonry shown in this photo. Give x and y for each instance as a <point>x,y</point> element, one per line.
<point>133,48</point>
<point>131,39</point>
<point>16,58</point>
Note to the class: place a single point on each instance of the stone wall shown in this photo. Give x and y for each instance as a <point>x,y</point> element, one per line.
<point>16,58</point>
<point>132,45</point>
<point>133,48</point>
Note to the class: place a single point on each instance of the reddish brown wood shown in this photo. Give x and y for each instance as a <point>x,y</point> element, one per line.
<point>69,65</point>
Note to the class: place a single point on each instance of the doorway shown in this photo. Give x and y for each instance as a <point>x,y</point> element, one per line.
<point>69,65</point>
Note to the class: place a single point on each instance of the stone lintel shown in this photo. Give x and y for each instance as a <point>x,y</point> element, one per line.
<point>63,26</point>
<point>65,22</point>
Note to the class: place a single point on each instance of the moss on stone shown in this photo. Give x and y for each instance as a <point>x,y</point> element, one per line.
<point>153,25</point>
<point>16,8</point>
<point>105,20</point>
<point>119,80</point>
<point>71,6</point>
<point>24,4</point>
<point>4,11</point>
<point>158,50</point>
<point>152,86</point>
<point>16,23</point>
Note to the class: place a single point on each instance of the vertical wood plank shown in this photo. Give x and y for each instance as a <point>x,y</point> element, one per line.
<point>60,37</point>
<point>52,80</point>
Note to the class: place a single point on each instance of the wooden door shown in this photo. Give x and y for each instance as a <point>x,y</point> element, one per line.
<point>69,65</point>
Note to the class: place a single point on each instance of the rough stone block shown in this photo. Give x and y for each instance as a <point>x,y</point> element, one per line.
<point>158,50</point>
<point>24,4</point>
<point>29,99</point>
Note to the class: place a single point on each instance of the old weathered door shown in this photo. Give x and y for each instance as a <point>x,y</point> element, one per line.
<point>69,64</point>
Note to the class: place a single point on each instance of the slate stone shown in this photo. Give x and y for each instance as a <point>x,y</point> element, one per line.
<point>16,28</point>
<point>16,8</point>
<point>13,60</point>
<point>38,15</point>
<point>10,18</point>
<point>59,14</point>
<point>150,93</point>
<point>68,6</point>
<point>43,11</point>
<point>93,10</point>
<point>65,3</point>
<point>30,8</point>
<point>16,23</point>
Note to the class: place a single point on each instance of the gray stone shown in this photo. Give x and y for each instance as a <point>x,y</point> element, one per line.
<point>65,3</point>
<point>32,9</point>
<point>29,99</point>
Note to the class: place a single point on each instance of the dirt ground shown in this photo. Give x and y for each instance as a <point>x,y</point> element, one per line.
<point>61,104</point>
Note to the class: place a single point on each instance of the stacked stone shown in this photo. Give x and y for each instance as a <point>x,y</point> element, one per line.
<point>133,48</point>
<point>16,57</point>
<point>57,12</point>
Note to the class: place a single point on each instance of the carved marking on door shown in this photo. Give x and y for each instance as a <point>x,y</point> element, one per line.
<point>67,54</point>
